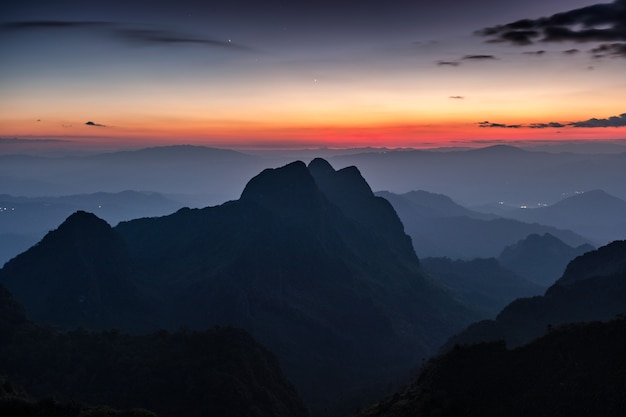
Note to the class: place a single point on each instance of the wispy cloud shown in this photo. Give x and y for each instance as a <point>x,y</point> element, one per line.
<point>613,121</point>
<point>125,33</point>
<point>457,97</point>
<point>168,37</point>
<point>499,125</point>
<point>448,63</point>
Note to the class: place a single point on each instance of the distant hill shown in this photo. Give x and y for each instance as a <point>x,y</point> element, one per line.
<point>596,214</point>
<point>25,220</point>
<point>593,287</point>
<point>540,259</point>
<point>439,227</point>
<point>575,370</point>
<point>79,275</point>
<point>480,283</point>
<point>221,371</point>
<point>308,260</point>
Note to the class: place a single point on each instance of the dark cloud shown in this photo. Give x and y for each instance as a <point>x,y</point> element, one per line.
<point>616,50</point>
<point>546,125</point>
<point>613,121</point>
<point>478,57</point>
<point>457,97</point>
<point>571,51</point>
<point>535,53</point>
<point>449,63</point>
<point>500,125</point>
<point>125,33</point>
<point>604,22</point>
<point>90,123</point>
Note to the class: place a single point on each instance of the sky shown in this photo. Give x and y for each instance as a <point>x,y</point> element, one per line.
<point>280,74</point>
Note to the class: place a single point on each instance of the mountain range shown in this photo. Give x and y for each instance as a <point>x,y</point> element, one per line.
<point>594,214</point>
<point>308,260</point>
<point>440,227</point>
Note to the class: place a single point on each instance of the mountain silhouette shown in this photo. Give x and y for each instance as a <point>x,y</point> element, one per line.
<point>311,263</point>
<point>593,287</point>
<point>575,370</point>
<point>79,275</point>
<point>540,259</point>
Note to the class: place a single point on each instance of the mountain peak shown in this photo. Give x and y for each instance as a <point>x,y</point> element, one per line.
<point>320,166</point>
<point>289,186</point>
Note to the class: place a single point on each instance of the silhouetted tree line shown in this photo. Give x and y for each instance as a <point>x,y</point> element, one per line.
<point>221,372</point>
<point>573,370</point>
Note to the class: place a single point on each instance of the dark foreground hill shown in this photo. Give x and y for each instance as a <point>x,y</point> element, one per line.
<point>576,370</point>
<point>222,372</point>
<point>308,260</point>
<point>593,287</point>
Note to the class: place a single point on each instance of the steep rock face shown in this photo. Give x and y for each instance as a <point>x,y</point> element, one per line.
<point>540,258</point>
<point>78,275</point>
<point>315,266</point>
<point>593,287</point>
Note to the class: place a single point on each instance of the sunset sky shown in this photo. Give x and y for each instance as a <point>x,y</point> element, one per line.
<point>250,74</point>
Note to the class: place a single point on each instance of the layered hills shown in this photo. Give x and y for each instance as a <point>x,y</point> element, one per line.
<point>440,227</point>
<point>593,287</point>
<point>557,354</point>
<point>308,260</point>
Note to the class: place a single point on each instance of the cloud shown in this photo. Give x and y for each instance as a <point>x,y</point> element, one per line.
<point>535,53</point>
<point>167,37</point>
<point>546,125</point>
<point>478,57</point>
<point>499,125</point>
<point>457,97</point>
<point>599,22</point>
<point>90,123</point>
<point>615,50</point>
<point>613,121</point>
<point>124,33</point>
<point>571,51</point>
<point>449,63</point>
